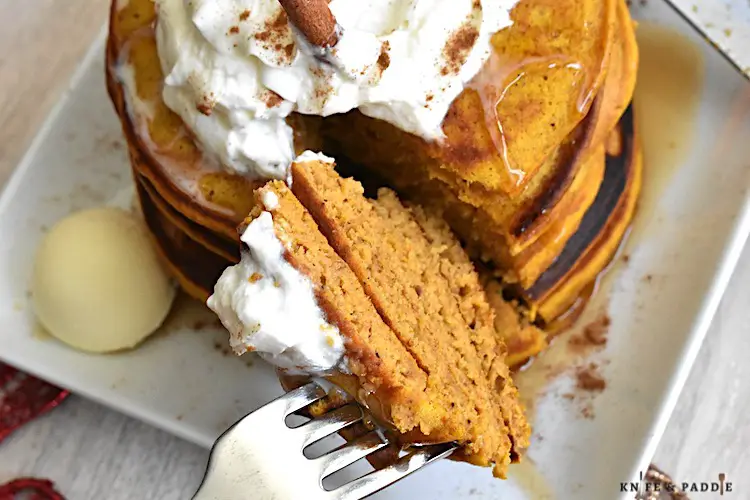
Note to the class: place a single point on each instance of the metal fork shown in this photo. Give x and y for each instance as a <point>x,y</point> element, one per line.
<point>261,457</point>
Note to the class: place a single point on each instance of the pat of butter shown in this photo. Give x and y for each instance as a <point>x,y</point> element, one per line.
<point>98,285</point>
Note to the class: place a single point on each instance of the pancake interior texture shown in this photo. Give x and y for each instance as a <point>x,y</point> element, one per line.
<point>422,346</point>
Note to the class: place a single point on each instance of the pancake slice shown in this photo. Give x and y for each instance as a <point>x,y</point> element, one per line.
<point>418,333</point>
<point>426,289</point>
<point>374,355</point>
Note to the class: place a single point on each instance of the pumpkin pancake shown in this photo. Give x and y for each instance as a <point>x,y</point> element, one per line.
<point>497,225</point>
<point>213,242</point>
<point>517,176</point>
<point>162,148</point>
<point>194,267</point>
<point>601,231</point>
<point>539,84</point>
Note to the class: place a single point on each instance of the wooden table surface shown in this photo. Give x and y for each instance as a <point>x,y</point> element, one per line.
<point>94,453</point>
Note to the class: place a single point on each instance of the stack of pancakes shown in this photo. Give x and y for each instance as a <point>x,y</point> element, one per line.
<point>538,174</point>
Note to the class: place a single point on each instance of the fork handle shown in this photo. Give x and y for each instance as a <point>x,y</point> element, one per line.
<point>220,483</point>
<point>216,487</point>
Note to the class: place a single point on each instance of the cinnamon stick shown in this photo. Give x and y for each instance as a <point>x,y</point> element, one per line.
<point>314,19</point>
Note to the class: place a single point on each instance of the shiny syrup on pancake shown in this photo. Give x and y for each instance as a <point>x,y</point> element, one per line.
<point>492,94</point>
<point>666,101</point>
<point>553,60</point>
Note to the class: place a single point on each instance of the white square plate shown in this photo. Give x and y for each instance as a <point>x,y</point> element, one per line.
<point>687,238</point>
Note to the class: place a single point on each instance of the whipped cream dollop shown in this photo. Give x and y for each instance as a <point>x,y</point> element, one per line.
<point>269,307</point>
<point>235,69</point>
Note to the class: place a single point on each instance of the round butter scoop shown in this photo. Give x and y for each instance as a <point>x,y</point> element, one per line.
<point>98,285</point>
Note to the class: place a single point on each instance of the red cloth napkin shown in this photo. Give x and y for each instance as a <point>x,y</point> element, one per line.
<point>32,488</point>
<point>23,398</point>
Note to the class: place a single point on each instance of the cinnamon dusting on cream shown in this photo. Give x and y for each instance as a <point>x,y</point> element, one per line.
<point>457,49</point>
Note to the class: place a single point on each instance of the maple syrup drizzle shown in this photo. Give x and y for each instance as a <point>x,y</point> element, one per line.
<point>497,79</point>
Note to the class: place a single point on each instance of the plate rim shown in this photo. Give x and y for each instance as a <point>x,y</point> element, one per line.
<point>712,297</point>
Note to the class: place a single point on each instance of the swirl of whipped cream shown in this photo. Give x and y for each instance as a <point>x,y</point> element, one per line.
<point>235,69</point>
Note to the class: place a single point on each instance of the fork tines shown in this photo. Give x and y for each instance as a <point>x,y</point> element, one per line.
<point>262,454</point>
<point>334,461</point>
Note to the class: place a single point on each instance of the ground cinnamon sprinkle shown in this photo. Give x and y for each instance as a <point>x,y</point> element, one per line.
<point>274,28</point>
<point>245,15</point>
<point>457,48</point>
<point>272,99</point>
<point>594,335</point>
<point>280,22</point>
<point>385,58</point>
<point>596,332</point>
<point>323,87</point>
<point>276,34</point>
<point>204,108</point>
<point>262,36</point>
<point>323,92</point>
<point>588,379</point>
<point>234,30</point>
